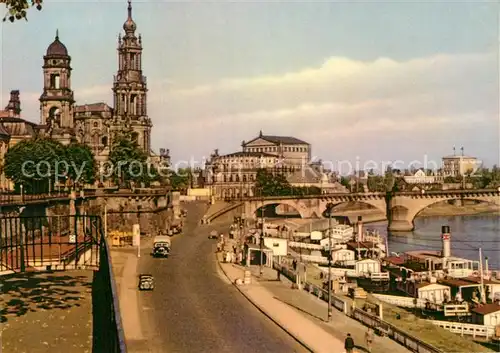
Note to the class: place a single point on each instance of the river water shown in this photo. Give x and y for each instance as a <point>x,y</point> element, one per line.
<point>468,234</point>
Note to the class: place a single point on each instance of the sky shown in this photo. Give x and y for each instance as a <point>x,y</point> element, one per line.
<point>360,81</point>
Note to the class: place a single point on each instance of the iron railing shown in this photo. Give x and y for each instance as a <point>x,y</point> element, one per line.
<point>67,243</point>
<point>49,243</point>
<point>108,334</point>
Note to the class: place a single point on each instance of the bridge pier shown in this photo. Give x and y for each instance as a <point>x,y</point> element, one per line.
<point>400,226</point>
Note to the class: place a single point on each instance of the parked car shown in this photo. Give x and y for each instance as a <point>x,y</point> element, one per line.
<point>357,293</point>
<point>146,282</point>
<point>213,235</point>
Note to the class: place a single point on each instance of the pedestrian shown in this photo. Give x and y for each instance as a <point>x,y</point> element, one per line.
<point>349,344</point>
<point>369,339</point>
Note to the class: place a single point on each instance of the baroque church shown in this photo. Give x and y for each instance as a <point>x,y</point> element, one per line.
<point>96,124</point>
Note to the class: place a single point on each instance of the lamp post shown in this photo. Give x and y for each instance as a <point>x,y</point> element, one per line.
<point>261,241</point>
<point>329,263</point>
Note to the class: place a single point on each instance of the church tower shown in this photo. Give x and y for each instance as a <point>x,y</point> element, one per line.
<point>130,87</point>
<point>56,101</point>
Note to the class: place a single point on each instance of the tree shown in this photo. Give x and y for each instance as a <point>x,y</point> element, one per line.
<point>129,162</point>
<point>180,180</point>
<point>17,8</point>
<point>376,183</point>
<point>269,184</point>
<point>345,182</point>
<point>81,163</point>
<point>34,164</point>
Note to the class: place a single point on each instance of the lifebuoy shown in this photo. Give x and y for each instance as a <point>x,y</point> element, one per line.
<point>475,273</point>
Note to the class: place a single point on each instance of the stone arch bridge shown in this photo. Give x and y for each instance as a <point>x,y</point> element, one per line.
<point>400,208</point>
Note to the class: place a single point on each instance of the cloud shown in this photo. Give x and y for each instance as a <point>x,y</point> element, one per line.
<point>345,108</point>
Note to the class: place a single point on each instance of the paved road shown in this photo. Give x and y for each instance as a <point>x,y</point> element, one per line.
<point>193,309</point>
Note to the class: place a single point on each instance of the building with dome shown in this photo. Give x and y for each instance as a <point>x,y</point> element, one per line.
<point>234,175</point>
<point>94,124</point>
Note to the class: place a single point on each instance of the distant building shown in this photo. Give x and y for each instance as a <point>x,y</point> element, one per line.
<point>234,175</point>
<point>13,129</point>
<point>454,166</point>
<point>289,150</point>
<point>420,177</point>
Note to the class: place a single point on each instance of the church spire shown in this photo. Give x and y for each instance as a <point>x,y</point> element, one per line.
<point>129,26</point>
<point>57,34</point>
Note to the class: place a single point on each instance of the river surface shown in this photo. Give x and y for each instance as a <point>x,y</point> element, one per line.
<point>468,234</point>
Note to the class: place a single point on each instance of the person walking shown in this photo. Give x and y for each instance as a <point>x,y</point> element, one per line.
<point>369,339</point>
<point>349,344</point>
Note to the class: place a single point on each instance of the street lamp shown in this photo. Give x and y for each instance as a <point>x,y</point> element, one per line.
<point>261,242</point>
<point>330,262</point>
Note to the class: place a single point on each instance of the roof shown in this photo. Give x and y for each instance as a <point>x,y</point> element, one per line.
<point>424,284</point>
<point>286,140</point>
<point>162,239</point>
<point>486,309</point>
<point>249,154</point>
<point>304,176</point>
<point>3,132</point>
<point>395,260</point>
<point>458,157</point>
<point>18,126</point>
<point>475,280</point>
<point>56,48</point>
<point>362,245</point>
<point>455,282</point>
<point>92,107</point>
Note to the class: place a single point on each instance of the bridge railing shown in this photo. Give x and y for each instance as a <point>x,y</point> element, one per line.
<point>67,243</point>
<point>374,194</point>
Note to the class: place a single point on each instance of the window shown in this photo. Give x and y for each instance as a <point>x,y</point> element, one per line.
<point>96,124</point>
<point>104,141</point>
<point>55,81</point>
<point>133,104</point>
<point>54,114</point>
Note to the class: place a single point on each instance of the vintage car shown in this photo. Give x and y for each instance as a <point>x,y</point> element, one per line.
<point>176,227</point>
<point>146,282</point>
<point>213,235</point>
<point>161,246</point>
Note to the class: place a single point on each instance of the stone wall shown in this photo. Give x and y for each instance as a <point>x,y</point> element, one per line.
<point>152,213</point>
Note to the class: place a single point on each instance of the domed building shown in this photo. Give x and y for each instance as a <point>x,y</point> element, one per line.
<point>96,124</point>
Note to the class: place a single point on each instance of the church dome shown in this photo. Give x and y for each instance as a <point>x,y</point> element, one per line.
<point>129,25</point>
<point>56,48</point>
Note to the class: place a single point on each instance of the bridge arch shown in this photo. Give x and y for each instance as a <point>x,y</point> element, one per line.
<point>404,210</point>
<point>378,205</point>
<point>295,204</point>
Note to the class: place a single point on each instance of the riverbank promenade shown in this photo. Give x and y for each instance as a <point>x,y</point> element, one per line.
<point>44,312</point>
<point>301,314</point>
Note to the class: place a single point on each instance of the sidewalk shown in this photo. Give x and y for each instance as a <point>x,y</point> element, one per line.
<point>317,310</point>
<point>125,265</point>
<point>307,332</point>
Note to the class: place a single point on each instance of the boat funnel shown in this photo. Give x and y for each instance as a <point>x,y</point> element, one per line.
<point>360,228</point>
<point>446,239</point>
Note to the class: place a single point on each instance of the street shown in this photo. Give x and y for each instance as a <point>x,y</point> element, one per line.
<point>193,309</point>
